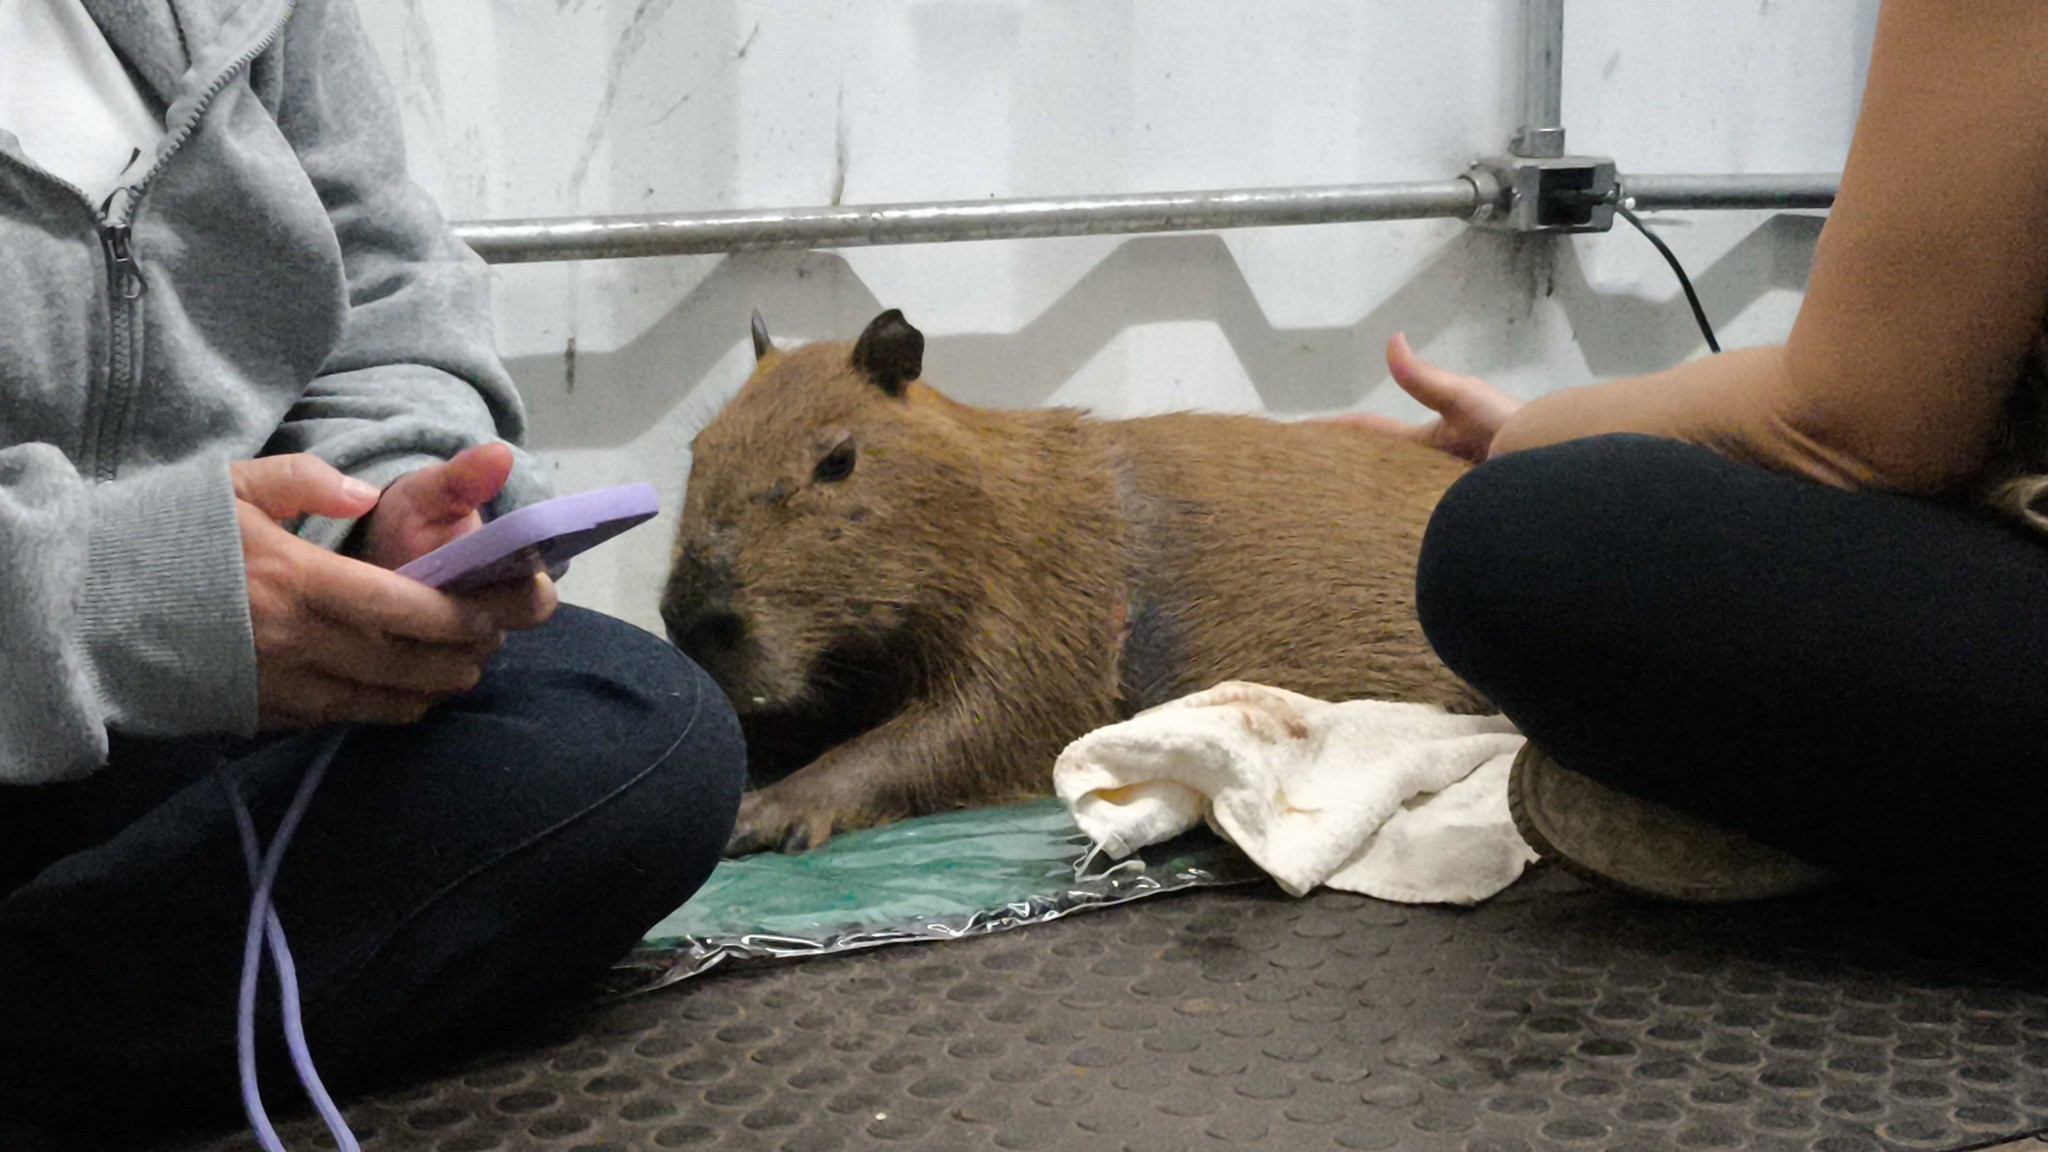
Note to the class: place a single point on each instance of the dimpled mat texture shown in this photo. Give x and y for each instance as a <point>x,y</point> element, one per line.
<point>1557,1017</point>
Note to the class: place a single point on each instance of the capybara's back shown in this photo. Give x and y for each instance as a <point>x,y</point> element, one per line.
<point>1286,553</point>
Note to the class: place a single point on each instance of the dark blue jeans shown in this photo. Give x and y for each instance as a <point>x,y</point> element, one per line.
<point>450,878</point>
<point>1858,677</point>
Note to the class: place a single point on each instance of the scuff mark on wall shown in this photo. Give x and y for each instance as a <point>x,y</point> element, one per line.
<point>422,68</point>
<point>839,154</point>
<point>645,17</point>
<point>569,366</point>
<point>672,109</point>
<point>1532,264</point>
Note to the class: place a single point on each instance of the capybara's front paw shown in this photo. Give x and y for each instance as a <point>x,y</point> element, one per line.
<point>786,823</point>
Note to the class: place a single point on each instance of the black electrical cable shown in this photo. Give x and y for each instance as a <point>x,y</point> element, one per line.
<point>1691,297</point>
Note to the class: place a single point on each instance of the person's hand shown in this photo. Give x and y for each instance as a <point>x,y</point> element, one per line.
<point>1469,410</point>
<point>425,509</point>
<point>339,640</point>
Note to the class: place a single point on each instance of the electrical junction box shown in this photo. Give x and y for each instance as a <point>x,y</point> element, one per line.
<point>1545,194</point>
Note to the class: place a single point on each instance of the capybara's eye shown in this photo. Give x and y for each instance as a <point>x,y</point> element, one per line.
<point>837,464</point>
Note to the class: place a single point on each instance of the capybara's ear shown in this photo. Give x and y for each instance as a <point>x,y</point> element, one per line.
<point>890,352</point>
<point>762,347</point>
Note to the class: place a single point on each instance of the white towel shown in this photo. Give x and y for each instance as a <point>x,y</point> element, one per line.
<point>1401,802</point>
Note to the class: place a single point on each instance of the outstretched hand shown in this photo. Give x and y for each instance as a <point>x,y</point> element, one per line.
<point>1469,410</point>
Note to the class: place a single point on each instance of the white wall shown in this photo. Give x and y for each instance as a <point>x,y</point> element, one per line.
<point>564,107</point>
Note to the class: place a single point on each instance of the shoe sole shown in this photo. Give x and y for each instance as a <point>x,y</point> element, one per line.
<point>1644,848</point>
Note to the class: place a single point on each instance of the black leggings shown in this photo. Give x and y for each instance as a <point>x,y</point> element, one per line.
<point>450,878</point>
<point>1857,677</point>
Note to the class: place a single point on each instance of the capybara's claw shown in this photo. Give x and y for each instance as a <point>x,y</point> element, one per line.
<point>746,837</point>
<point>765,823</point>
<point>742,842</point>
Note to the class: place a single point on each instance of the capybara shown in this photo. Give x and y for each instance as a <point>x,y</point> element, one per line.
<point>914,604</point>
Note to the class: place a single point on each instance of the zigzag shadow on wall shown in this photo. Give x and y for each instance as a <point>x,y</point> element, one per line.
<point>1148,280</point>
<point>619,394</point>
<point>1624,335</point>
<point>1166,279</point>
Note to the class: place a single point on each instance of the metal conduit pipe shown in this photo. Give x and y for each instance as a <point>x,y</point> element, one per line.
<point>1660,193</point>
<point>856,226</point>
<point>1541,134</point>
<point>853,226</point>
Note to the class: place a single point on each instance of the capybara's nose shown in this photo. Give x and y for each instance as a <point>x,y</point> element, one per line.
<point>704,632</point>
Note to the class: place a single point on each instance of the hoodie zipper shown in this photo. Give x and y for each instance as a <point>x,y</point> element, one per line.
<point>125,289</point>
<point>107,429</point>
<point>183,132</point>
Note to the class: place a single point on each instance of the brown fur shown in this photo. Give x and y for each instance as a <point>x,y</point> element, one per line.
<point>929,631</point>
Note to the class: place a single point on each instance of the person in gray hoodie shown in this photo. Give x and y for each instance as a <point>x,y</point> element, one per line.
<point>235,393</point>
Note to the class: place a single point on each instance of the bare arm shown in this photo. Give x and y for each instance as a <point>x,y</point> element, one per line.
<point>1929,284</point>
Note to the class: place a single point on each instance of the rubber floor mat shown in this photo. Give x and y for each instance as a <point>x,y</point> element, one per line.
<point>1554,1018</point>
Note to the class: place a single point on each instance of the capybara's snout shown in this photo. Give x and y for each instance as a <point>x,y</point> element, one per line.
<point>708,636</point>
<point>696,608</point>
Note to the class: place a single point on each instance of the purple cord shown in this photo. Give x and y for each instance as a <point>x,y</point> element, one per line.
<point>264,926</point>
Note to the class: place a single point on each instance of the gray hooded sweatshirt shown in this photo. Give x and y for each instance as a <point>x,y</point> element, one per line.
<point>274,284</point>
